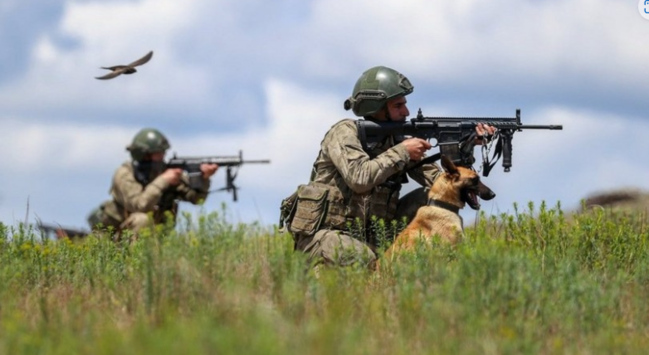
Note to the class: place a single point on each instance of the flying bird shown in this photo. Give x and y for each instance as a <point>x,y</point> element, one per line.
<point>125,69</point>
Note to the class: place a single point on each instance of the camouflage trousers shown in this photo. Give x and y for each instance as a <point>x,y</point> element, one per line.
<point>134,222</point>
<point>335,247</point>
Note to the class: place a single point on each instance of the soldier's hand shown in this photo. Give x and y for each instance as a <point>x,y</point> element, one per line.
<point>172,176</point>
<point>416,147</point>
<point>209,170</point>
<point>483,129</point>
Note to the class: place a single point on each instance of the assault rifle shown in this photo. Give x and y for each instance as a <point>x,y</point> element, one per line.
<point>455,136</point>
<point>192,165</point>
<point>51,231</point>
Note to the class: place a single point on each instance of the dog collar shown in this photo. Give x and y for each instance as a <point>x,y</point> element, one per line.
<point>444,205</point>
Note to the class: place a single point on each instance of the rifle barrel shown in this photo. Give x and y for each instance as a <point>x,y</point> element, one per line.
<point>224,161</point>
<point>200,157</point>
<point>240,162</point>
<point>460,119</point>
<point>531,126</point>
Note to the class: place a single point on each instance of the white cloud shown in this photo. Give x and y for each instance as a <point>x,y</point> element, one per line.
<point>40,147</point>
<point>464,40</point>
<point>203,49</point>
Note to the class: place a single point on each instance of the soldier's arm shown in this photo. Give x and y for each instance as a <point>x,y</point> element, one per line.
<point>426,174</point>
<point>186,193</point>
<point>357,169</point>
<point>129,192</point>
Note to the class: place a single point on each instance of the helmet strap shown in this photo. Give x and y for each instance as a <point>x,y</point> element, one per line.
<point>387,113</point>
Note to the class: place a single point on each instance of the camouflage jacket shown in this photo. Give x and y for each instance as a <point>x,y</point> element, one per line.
<point>359,178</point>
<point>129,195</point>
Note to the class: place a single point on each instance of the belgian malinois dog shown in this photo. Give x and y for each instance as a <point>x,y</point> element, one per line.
<point>456,187</point>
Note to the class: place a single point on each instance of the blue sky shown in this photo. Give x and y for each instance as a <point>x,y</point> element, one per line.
<point>269,78</point>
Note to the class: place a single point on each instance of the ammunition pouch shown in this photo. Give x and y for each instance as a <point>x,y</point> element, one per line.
<point>309,209</point>
<point>108,214</point>
<point>286,210</point>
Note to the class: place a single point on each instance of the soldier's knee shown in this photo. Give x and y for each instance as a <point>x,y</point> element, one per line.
<point>99,220</point>
<point>137,221</point>
<point>340,249</point>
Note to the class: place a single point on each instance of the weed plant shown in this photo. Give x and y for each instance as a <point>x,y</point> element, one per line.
<point>533,282</point>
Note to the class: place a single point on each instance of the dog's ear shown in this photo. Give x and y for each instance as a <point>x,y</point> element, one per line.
<point>448,165</point>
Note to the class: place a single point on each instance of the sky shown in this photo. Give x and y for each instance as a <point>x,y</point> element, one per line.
<point>269,78</point>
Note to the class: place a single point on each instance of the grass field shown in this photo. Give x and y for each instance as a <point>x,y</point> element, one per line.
<point>534,282</point>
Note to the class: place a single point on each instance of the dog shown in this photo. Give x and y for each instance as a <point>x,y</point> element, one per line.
<point>456,187</point>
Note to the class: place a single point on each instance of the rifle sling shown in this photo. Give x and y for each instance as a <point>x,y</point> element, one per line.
<point>486,166</point>
<point>427,160</point>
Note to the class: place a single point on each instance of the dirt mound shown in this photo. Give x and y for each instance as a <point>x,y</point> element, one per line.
<point>628,198</point>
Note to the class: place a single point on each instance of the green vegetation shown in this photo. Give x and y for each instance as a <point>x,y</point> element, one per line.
<point>535,282</point>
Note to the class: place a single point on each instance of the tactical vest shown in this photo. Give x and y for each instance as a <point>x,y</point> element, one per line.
<point>345,206</point>
<point>336,206</point>
<point>112,213</point>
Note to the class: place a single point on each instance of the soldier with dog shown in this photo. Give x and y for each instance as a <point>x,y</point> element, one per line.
<point>353,185</point>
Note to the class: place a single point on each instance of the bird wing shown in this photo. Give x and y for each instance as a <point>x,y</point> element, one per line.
<point>142,60</point>
<point>116,67</point>
<point>110,75</point>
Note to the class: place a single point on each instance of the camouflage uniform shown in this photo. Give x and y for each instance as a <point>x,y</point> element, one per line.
<point>138,188</point>
<point>133,200</point>
<point>331,218</point>
<point>359,187</point>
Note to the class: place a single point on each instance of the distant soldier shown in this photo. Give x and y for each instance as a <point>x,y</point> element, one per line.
<point>144,192</point>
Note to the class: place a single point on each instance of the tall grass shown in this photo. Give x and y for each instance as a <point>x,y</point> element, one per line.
<point>536,282</point>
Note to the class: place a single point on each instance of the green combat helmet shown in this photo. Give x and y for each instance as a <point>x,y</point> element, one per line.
<point>146,141</point>
<point>374,88</point>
